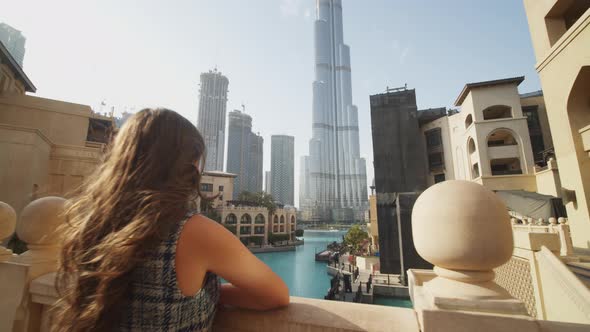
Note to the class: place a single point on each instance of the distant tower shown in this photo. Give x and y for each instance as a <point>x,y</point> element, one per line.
<point>267,182</point>
<point>244,153</point>
<point>211,121</point>
<point>336,181</point>
<point>14,41</point>
<point>282,168</point>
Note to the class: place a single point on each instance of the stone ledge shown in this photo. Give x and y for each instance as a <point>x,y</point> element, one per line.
<point>311,315</point>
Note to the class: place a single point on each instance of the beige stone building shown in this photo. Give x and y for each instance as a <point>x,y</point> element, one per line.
<point>560,32</point>
<point>249,223</point>
<point>284,221</point>
<point>48,147</point>
<point>219,185</point>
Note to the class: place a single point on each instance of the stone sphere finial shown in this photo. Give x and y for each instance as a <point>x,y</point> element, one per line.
<point>553,221</point>
<point>562,220</point>
<point>40,219</point>
<point>461,225</point>
<point>7,220</point>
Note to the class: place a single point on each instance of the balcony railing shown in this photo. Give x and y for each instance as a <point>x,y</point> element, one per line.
<point>444,299</point>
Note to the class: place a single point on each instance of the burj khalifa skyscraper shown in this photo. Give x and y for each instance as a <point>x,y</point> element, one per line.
<point>333,184</point>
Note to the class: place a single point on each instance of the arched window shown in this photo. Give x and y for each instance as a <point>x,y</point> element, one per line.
<point>468,121</point>
<point>231,219</point>
<point>275,219</point>
<point>282,220</point>
<point>471,145</point>
<point>292,219</point>
<point>259,219</point>
<point>497,112</point>
<point>475,171</point>
<point>501,137</point>
<point>246,219</point>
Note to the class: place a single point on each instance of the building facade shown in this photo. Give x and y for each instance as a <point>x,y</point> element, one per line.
<point>560,32</point>
<point>44,159</point>
<point>244,153</point>
<point>337,174</point>
<point>282,168</point>
<point>14,41</point>
<point>212,114</point>
<point>219,186</point>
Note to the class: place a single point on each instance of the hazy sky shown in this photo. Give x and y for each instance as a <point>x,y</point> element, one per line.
<point>150,53</point>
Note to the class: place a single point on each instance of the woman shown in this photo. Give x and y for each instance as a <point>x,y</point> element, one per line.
<point>135,258</point>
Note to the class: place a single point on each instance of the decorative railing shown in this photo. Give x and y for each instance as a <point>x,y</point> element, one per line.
<point>458,295</point>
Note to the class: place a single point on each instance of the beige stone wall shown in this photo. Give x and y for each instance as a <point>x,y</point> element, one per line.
<point>527,182</point>
<point>8,84</point>
<point>548,182</point>
<point>443,124</point>
<point>44,142</point>
<point>24,165</point>
<point>563,63</point>
<point>61,122</point>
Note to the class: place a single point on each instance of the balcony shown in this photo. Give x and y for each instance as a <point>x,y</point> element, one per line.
<point>444,299</point>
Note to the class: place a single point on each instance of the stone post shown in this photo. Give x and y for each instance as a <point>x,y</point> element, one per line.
<point>464,230</point>
<point>565,238</point>
<point>7,226</point>
<point>37,227</point>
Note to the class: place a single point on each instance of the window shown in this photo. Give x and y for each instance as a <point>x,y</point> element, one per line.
<point>435,161</point>
<point>471,146</point>
<point>439,178</point>
<point>245,230</point>
<point>246,219</point>
<point>259,230</point>
<point>231,219</point>
<point>468,121</point>
<point>535,132</point>
<point>259,219</point>
<point>207,187</point>
<point>433,138</point>
<point>497,112</point>
<point>220,188</point>
<point>563,16</point>
<point>475,171</point>
<point>282,220</point>
<point>505,166</point>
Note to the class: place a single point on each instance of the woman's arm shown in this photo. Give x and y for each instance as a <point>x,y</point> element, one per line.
<point>213,248</point>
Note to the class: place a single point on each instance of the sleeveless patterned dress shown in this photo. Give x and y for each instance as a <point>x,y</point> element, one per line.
<point>157,303</point>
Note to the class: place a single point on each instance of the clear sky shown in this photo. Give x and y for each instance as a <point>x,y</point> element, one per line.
<point>140,53</point>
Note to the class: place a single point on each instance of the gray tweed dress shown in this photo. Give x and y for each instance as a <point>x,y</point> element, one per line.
<point>157,303</point>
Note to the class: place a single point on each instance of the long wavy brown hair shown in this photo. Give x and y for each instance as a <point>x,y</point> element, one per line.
<point>149,176</point>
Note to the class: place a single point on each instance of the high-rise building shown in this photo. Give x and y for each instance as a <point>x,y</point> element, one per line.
<point>267,182</point>
<point>211,121</point>
<point>244,153</point>
<point>14,41</point>
<point>282,168</point>
<point>400,173</point>
<point>336,178</point>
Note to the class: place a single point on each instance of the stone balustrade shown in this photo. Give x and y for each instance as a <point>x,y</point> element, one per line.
<point>465,242</point>
<point>559,227</point>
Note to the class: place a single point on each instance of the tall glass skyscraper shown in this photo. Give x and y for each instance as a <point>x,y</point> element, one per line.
<point>14,41</point>
<point>211,121</point>
<point>336,181</point>
<point>282,168</point>
<point>244,153</point>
